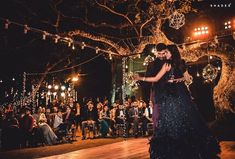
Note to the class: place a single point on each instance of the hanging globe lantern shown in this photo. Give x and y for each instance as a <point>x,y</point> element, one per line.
<point>209,73</point>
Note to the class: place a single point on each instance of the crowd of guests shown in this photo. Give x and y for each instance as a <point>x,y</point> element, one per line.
<point>58,122</point>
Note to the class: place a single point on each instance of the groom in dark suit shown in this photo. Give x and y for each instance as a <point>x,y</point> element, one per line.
<point>152,69</point>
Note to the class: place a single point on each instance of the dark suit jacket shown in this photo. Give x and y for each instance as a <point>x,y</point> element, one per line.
<point>132,112</point>
<point>89,115</point>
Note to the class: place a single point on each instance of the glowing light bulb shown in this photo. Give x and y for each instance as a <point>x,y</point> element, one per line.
<point>75,79</point>
<point>44,35</point>
<point>83,45</point>
<point>62,94</point>
<point>198,74</point>
<point>7,23</point>
<point>56,87</point>
<point>26,28</point>
<point>73,47</point>
<point>97,50</point>
<point>63,88</point>
<point>110,56</point>
<point>57,38</point>
<point>49,86</point>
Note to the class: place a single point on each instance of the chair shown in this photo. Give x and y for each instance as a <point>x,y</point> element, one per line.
<point>37,137</point>
<point>120,128</point>
<point>150,128</point>
<point>140,128</point>
<point>71,134</point>
<point>65,134</point>
<point>88,129</point>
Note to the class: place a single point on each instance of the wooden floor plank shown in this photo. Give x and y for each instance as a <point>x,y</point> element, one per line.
<point>130,149</point>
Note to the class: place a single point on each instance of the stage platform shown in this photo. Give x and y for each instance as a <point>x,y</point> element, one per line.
<point>130,149</point>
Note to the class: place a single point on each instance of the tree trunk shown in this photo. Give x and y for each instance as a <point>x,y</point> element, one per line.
<point>226,85</point>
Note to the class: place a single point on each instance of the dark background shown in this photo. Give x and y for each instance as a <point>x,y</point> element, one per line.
<point>29,53</point>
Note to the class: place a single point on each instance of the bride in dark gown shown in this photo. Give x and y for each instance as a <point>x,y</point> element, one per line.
<point>180,132</point>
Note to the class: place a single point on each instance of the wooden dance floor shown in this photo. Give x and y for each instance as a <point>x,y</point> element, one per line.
<point>130,149</point>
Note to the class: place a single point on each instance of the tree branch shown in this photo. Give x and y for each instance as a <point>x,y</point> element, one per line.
<point>120,50</point>
<point>137,2</point>
<point>49,67</point>
<point>147,21</point>
<point>119,14</point>
<point>96,25</point>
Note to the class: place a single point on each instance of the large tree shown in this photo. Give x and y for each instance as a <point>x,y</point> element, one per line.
<point>124,28</point>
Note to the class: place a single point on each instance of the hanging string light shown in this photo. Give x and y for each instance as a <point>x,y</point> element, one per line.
<point>69,43</point>
<point>216,39</point>
<point>44,35</point>
<point>154,50</point>
<point>24,84</point>
<point>12,90</point>
<point>124,94</point>
<point>49,86</point>
<point>62,94</point>
<point>75,79</point>
<point>73,47</point>
<point>83,45</point>
<point>63,88</point>
<point>26,29</point>
<point>67,40</point>
<point>198,74</point>
<point>7,23</point>
<point>56,38</point>
<point>97,49</point>
<point>56,87</point>
<point>110,56</point>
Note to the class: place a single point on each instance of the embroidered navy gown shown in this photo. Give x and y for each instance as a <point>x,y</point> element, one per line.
<point>180,132</point>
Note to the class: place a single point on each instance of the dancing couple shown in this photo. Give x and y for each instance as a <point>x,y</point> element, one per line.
<point>179,130</point>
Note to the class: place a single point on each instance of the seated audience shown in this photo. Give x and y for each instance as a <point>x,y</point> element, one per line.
<point>89,118</point>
